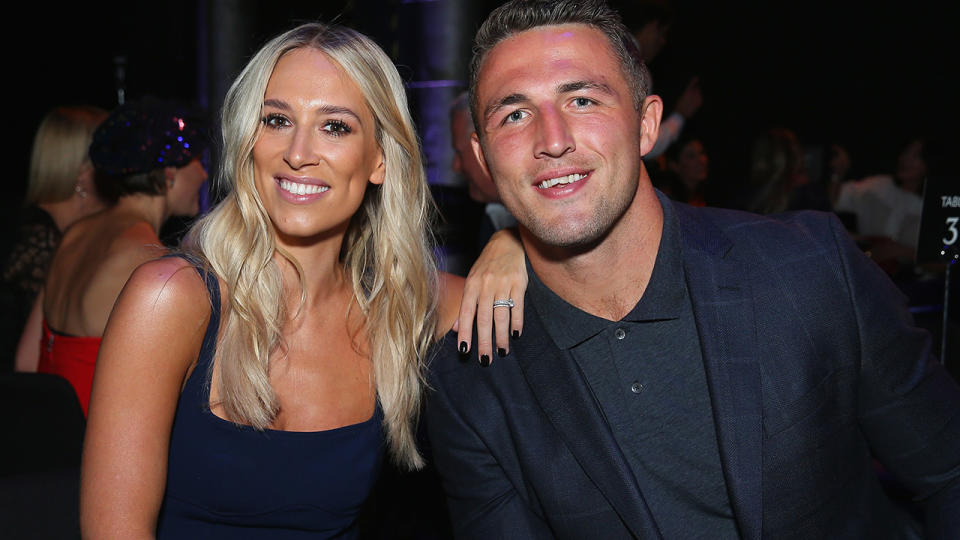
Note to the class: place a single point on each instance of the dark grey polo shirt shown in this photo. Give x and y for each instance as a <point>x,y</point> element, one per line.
<point>647,376</point>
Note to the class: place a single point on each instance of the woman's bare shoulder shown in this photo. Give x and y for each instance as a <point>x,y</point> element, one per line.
<point>168,285</point>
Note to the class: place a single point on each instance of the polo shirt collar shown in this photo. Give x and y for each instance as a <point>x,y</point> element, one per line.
<point>663,298</point>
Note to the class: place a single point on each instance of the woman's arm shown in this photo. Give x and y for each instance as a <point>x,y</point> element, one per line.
<point>500,273</point>
<point>151,340</point>
<point>28,349</point>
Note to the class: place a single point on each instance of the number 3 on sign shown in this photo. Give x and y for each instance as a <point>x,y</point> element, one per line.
<point>952,228</point>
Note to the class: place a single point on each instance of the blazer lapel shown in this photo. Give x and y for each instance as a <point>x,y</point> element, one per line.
<point>566,400</point>
<point>723,312</point>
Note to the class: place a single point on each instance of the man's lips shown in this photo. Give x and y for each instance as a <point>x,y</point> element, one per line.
<point>562,177</point>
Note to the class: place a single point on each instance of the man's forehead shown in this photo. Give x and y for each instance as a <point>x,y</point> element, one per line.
<point>545,55</point>
<point>557,45</point>
<point>552,37</point>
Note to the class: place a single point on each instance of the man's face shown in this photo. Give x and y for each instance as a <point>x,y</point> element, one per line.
<point>479,184</point>
<point>561,137</point>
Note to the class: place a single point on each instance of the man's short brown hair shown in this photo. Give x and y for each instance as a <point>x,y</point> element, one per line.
<point>520,15</point>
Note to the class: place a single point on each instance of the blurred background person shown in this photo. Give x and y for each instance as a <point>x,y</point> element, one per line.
<point>60,191</point>
<point>148,160</point>
<point>479,184</point>
<point>687,170</point>
<point>887,207</point>
<point>651,21</point>
<point>778,176</point>
<point>837,167</point>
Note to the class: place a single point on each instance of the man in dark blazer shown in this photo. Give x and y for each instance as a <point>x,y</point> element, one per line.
<point>683,372</point>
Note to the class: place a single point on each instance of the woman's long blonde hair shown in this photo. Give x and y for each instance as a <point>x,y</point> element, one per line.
<point>386,252</point>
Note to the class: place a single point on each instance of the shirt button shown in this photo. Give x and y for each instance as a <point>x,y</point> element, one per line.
<point>636,387</point>
<point>620,333</point>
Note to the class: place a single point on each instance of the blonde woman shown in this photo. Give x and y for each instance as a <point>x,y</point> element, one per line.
<point>250,389</point>
<point>60,191</point>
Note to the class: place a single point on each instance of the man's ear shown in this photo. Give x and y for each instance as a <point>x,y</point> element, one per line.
<point>478,152</point>
<point>380,172</point>
<point>650,115</point>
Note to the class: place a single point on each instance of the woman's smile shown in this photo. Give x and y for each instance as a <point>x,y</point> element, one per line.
<point>301,190</point>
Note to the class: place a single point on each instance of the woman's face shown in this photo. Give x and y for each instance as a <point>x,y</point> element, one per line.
<point>317,148</point>
<point>183,196</point>
<point>692,164</point>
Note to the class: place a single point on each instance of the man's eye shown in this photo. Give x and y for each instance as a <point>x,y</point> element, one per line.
<point>582,102</point>
<point>515,116</point>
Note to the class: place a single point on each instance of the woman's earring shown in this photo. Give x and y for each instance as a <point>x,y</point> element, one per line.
<point>82,193</point>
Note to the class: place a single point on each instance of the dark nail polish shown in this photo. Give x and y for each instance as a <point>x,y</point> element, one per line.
<point>516,334</point>
<point>463,347</point>
<point>484,360</point>
<point>501,352</point>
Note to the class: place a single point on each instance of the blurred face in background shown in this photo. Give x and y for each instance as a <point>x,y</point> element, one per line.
<point>691,165</point>
<point>651,39</point>
<point>911,167</point>
<point>183,196</point>
<point>479,184</point>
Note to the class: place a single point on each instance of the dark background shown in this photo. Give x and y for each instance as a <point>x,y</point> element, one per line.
<point>867,75</point>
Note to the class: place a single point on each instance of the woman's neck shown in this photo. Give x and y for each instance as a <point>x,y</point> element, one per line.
<point>323,276</point>
<point>150,208</point>
<point>65,213</point>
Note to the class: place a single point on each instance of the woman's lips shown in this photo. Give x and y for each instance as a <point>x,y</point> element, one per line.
<point>300,190</point>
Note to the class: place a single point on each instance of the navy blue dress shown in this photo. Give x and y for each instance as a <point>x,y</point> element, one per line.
<point>233,482</point>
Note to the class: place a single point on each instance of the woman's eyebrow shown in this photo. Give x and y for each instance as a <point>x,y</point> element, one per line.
<point>276,104</point>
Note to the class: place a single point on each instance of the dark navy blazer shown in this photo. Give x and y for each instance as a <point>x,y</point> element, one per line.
<point>813,369</point>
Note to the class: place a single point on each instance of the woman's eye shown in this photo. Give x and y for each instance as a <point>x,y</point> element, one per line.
<point>337,127</point>
<point>275,121</point>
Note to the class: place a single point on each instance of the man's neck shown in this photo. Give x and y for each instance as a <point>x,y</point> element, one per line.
<point>609,278</point>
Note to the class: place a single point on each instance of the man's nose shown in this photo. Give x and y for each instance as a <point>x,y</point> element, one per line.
<point>554,136</point>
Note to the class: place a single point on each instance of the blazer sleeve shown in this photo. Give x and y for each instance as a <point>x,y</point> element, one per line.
<point>482,500</point>
<point>908,405</point>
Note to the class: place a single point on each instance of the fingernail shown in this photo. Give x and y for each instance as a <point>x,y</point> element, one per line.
<point>516,334</point>
<point>463,347</point>
<point>501,352</point>
<point>484,360</point>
